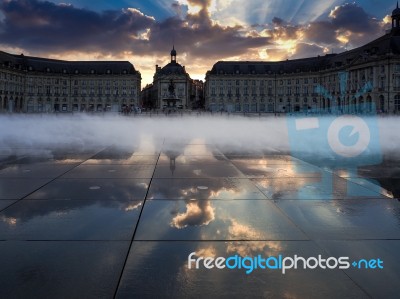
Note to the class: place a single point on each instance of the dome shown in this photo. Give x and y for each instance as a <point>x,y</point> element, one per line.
<point>396,11</point>
<point>173,68</point>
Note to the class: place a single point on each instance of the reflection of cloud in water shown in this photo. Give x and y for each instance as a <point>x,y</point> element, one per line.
<point>132,207</point>
<point>197,213</point>
<point>277,187</point>
<point>209,251</point>
<point>239,231</point>
<point>251,248</point>
<point>59,208</point>
<point>11,221</point>
<point>229,193</point>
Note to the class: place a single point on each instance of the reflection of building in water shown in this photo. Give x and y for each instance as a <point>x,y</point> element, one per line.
<point>32,84</point>
<point>291,85</point>
<point>172,88</point>
<point>172,154</point>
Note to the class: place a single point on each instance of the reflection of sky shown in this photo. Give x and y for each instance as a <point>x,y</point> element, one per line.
<point>214,220</point>
<point>197,213</point>
<point>69,220</point>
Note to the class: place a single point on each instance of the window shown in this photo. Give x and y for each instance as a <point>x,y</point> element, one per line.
<point>397,103</point>
<point>382,83</point>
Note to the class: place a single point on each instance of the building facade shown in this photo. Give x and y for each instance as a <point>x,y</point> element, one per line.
<point>357,78</point>
<point>32,84</point>
<point>172,88</point>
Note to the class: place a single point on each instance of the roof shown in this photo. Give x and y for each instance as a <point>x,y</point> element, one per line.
<point>38,64</point>
<point>172,68</point>
<point>389,43</point>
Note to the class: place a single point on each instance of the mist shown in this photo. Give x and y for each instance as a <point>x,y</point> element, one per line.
<point>228,133</point>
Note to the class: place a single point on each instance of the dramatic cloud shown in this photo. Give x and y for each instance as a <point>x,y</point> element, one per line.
<point>201,38</point>
<point>45,26</point>
<point>305,50</point>
<point>321,32</point>
<point>346,24</point>
<point>354,18</point>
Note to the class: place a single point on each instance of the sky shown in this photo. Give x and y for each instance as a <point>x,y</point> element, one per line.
<point>203,31</point>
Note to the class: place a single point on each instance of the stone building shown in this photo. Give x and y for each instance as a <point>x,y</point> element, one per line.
<point>172,88</point>
<point>32,84</point>
<point>359,77</point>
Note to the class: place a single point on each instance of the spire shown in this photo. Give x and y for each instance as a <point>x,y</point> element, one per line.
<point>173,54</point>
<point>396,19</point>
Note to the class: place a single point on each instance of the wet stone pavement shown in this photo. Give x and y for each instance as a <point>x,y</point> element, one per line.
<point>121,223</point>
